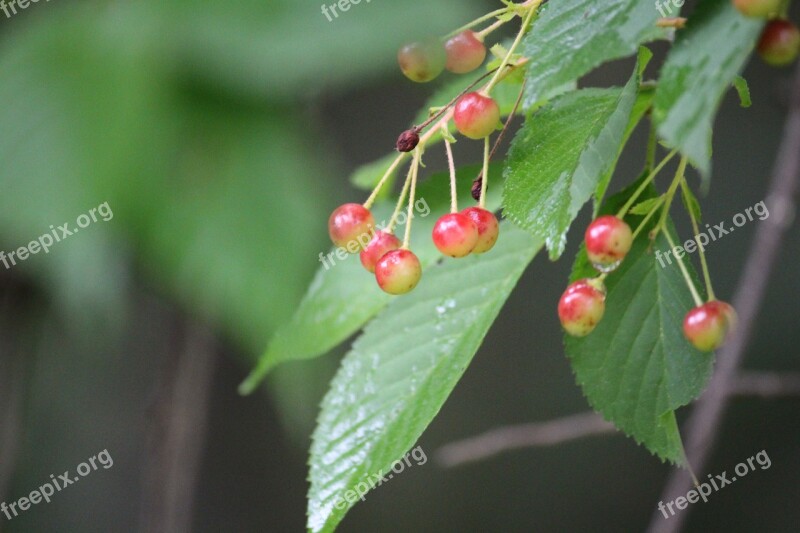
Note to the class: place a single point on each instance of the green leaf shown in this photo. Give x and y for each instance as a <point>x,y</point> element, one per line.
<point>740,84</point>
<point>636,367</point>
<point>690,202</point>
<point>643,208</point>
<point>569,39</point>
<point>344,296</point>
<point>701,66</point>
<point>402,369</point>
<point>560,155</point>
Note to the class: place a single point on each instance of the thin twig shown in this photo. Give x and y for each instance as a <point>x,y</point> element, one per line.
<point>703,424</point>
<point>507,438</point>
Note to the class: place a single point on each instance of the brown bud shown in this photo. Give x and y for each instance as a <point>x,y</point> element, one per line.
<point>408,140</point>
<point>477,185</point>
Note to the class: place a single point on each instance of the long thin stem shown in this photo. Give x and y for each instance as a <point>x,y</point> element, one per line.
<point>533,7</point>
<point>689,283</point>
<point>414,173</point>
<point>485,182</point>
<point>481,35</point>
<point>452,166</point>
<point>624,211</point>
<point>679,176</point>
<point>484,18</point>
<point>401,199</point>
<point>383,180</point>
<point>700,247</point>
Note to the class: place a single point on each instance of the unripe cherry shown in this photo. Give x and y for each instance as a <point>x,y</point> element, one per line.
<point>708,325</point>
<point>488,228</point>
<point>779,43</point>
<point>465,52</point>
<point>608,240</point>
<point>381,244</point>
<point>455,234</point>
<point>398,272</point>
<point>758,8</point>
<point>350,226</point>
<point>476,115</point>
<point>582,307</point>
<point>422,61</point>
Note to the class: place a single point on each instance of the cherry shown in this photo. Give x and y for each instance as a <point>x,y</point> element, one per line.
<point>779,43</point>
<point>582,307</point>
<point>476,115</point>
<point>422,61</point>
<point>455,234</point>
<point>349,226</point>
<point>608,240</point>
<point>398,271</point>
<point>488,228</point>
<point>465,52</point>
<point>707,326</point>
<point>381,244</point>
<point>758,8</point>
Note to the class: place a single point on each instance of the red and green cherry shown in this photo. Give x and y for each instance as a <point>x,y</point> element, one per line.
<point>488,228</point>
<point>582,306</point>
<point>476,115</point>
<point>350,227</point>
<point>381,244</point>
<point>398,271</point>
<point>707,326</point>
<point>455,234</point>
<point>758,8</point>
<point>465,52</point>
<point>779,44</point>
<point>608,240</point>
<point>422,61</point>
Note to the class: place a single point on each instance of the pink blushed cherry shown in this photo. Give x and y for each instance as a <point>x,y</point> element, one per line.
<point>707,326</point>
<point>465,52</point>
<point>350,225</point>
<point>476,115</point>
<point>608,240</point>
<point>455,234</point>
<point>398,271</point>
<point>582,307</point>
<point>381,244</point>
<point>488,228</point>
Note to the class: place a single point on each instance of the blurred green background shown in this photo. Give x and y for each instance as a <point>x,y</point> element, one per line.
<point>222,135</point>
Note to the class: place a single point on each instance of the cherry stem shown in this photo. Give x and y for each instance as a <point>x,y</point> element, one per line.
<point>689,283</point>
<point>374,195</point>
<point>652,143</point>
<point>679,176</point>
<point>481,35</point>
<point>451,164</point>
<point>484,18</point>
<point>706,274</point>
<point>532,11</point>
<point>625,208</point>
<point>400,200</point>
<point>649,215</point>
<point>485,181</point>
<point>412,193</point>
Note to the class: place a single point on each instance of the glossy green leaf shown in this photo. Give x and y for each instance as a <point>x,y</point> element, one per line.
<point>570,38</point>
<point>644,207</point>
<point>636,367</point>
<point>560,155</point>
<point>402,369</point>
<point>344,296</point>
<point>701,66</point>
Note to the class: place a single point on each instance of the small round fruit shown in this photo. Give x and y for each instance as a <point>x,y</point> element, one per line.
<point>608,240</point>
<point>779,43</point>
<point>707,326</point>
<point>455,234</point>
<point>758,8</point>
<point>398,272</point>
<point>350,226</point>
<point>422,61</point>
<point>476,115</point>
<point>465,52</point>
<point>581,307</point>
<point>381,244</point>
<point>488,228</point>
<point>408,140</point>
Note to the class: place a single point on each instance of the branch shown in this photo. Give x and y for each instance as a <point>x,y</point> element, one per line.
<point>766,384</point>
<point>702,426</point>
<point>507,438</point>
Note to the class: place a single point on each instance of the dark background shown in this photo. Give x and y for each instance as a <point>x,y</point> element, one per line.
<point>222,136</point>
